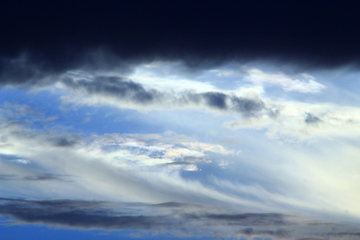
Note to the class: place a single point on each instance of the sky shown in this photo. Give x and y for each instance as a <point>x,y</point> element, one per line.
<point>180,120</point>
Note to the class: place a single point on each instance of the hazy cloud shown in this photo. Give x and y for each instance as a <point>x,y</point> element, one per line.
<point>303,83</point>
<point>6,177</point>
<point>39,177</point>
<point>248,218</point>
<point>280,233</point>
<point>64,141</point>
<point>311,119</point>
<point>249,107</point>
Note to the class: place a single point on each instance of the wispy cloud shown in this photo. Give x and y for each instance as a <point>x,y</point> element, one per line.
<point>303,83</point>
<point>306,85</point>
<point>125,93</point>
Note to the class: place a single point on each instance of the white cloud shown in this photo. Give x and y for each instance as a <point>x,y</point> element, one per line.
<point>306,85</point>
<point>115,167</point>
<point>311,175</point>
<point>291,122</point>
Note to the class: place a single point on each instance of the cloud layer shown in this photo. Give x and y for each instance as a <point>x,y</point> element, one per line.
<point>39,44</point>
<point>175,218</point>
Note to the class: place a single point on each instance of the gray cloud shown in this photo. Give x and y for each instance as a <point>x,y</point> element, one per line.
<point>311,119</point>
<point>262,219</point>
<point>21,72</point>
<point>45,177</point>
<point>216,100</point>
<point>64,141</point>
<point>84,214</point>
<point>114,86</point>
<point>7,177</point>
<point>170,204</point>
<point>27,69</point>
<point>248,107</point>
<point>38,177</point>
<point>109,215</point>
<point>311,238</point>
<point>127,90</point>
<point>345,235</point>
<point>280,233</point>
<point>171,217</point>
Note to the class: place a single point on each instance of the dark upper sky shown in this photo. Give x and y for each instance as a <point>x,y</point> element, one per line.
<point>58,36</point>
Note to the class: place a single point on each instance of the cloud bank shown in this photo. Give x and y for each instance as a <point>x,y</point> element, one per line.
<point>175,218</point>
<point>39,45</point>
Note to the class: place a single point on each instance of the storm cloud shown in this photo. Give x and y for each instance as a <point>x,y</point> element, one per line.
<point>40,42</point>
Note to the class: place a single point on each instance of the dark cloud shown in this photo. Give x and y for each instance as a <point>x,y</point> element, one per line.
<point>215,100</point>
<point>64,141</point>
<point>311,238</point>
<point>280,233</point>
<point>45,177</point>
<point>169,217</point>
<point>107,215</point>
<point>345,235</point>
<point>170,204</point>
<point>7,177</point>
<point>19,72</point>
<point>38,177</point>
<point>246,106</point>
<point>311,119</point>
<point>114,86</point>
<point>59,36</point>
<point>125,89</point>
<point>250,218</point>
<point>82,214</point>
<point>78,218</point>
